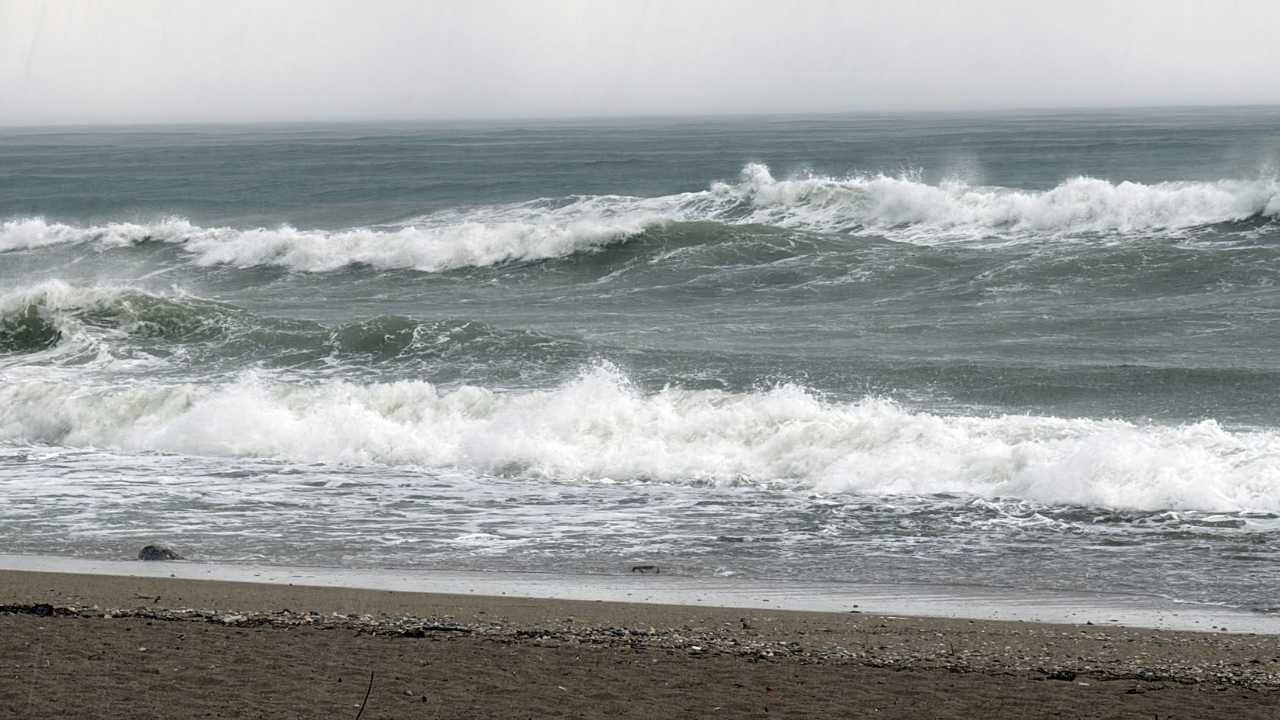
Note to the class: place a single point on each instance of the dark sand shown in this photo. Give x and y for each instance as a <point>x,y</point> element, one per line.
<point>84,646</point>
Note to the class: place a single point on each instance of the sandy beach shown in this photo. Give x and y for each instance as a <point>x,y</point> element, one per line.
<point>86,646</point>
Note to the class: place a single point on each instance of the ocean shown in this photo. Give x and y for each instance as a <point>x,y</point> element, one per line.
<point>1029,351</point>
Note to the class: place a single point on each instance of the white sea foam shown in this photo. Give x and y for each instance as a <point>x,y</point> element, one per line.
<point>901,208</point>
<point>35,232</point>
<point>598,427</point>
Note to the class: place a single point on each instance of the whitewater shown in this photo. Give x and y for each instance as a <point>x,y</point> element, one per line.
<point>599,429</point>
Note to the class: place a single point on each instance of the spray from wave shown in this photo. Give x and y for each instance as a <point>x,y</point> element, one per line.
<point>901,208</point>
<point>599,427</point>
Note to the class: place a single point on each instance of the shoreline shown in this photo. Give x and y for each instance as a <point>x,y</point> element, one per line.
<point>917,601</point>
<point>101,646</point>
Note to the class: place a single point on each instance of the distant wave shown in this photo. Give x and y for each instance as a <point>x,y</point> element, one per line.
<point>598,427</point>
<point>900,208</point>
<point>1078,205</point>
<point>428,248</point>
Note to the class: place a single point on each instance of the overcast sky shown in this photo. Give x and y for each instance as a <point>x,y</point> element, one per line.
<point>88,61</point>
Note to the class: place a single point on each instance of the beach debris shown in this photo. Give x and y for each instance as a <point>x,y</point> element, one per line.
<point>423,629</point>
<point>899,648</point>
<point>158,552</point>
<point>645,569</point>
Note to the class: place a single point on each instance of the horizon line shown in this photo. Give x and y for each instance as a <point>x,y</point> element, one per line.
<point>677,117</point>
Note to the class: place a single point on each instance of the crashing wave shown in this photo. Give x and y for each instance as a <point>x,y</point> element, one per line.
<point>900,208</point>
<point>600,427</point>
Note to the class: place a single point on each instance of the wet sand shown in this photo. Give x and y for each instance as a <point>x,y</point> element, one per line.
<point>89,646</point>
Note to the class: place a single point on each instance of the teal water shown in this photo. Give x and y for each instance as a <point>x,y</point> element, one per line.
<point>1030,350</point>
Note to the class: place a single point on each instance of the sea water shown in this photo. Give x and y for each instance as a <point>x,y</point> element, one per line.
<point>1034,351</point>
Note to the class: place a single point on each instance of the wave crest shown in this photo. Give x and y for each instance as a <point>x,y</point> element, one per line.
<point>421,247</point>
<point>1078,205</point>
<point>50,310</point>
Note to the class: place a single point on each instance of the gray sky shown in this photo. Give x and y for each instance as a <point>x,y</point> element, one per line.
<point>86,61</point>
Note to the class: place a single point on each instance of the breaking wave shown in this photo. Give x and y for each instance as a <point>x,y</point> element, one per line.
<point>901,208</point>
<point>93,322</point>
<point>599,427</point>
<point>424,247</point>
<point>44,312</point>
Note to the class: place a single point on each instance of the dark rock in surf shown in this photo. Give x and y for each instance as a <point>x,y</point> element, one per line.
<point>158,552</point>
